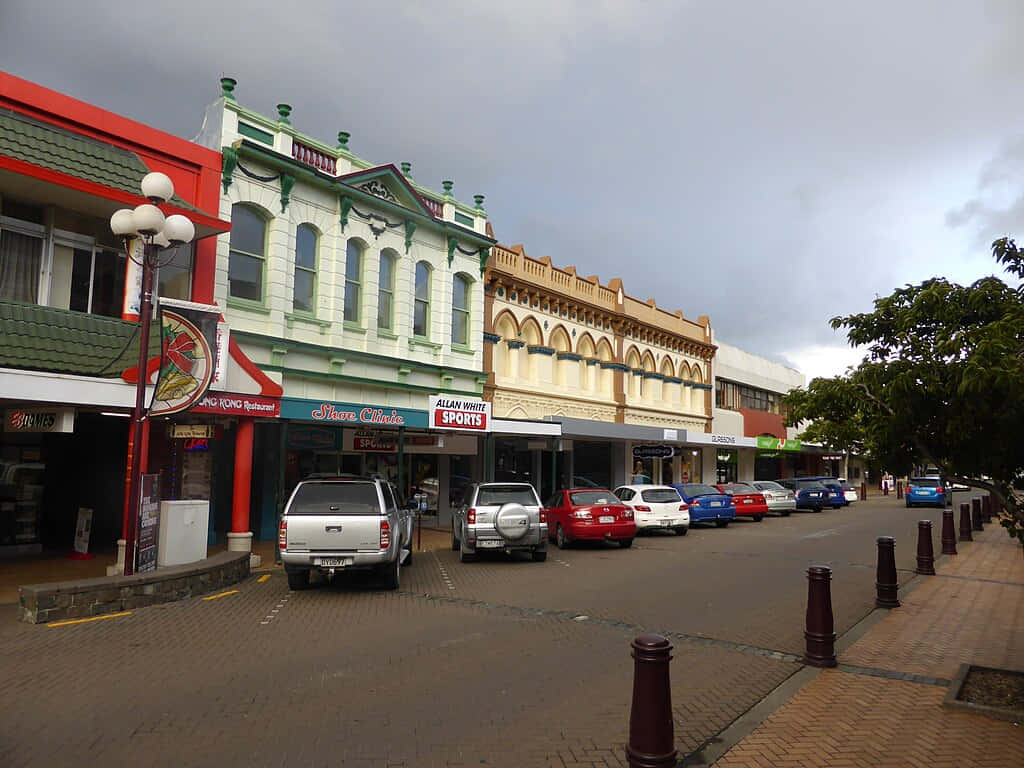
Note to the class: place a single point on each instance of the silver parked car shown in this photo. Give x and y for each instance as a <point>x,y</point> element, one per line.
<point>500,517</point>
<point>344,524</point>
<point>778,498</point>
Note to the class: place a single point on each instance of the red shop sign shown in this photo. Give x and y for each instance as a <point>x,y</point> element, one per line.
<point>238,405</point>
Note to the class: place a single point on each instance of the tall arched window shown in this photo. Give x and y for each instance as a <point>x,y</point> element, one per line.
<point>304,299</point>
<point>386,291</point>
<point>460,309</point>
<point>247,253</point>
<point>421,301</point>
<point>353,280</point>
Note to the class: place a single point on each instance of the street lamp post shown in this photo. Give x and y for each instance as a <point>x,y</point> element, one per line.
<point>157,233</point>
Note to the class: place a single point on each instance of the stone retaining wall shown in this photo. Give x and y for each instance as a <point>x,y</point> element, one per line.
<point>55,601</point>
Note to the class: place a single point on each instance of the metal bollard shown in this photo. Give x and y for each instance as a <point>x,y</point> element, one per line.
<point>899,489</point>
<point>948,533</point>
<point>651,736</point>
<point>986,508</point>
<point>886,584</point>
<point>820,635</point>
<point>925,553</point>
<point>965,522</point>
<point>976,514</point>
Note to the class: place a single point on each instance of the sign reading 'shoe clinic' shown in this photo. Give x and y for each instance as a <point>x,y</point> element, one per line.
<point>459,413</point>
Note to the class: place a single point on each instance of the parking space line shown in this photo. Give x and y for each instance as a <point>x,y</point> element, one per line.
<point>444,573</point>
<point>222,594</point>
<point>263,578</point>
<point>91,618</point>
<point>273,611</point>
<point>562,562</point>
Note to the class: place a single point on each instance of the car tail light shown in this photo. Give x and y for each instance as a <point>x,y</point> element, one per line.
<point>543,515</point>
<point>282,534</point>
<point>683,507</point>
<point>642,508</point>
<point>628,514</point>
<point>581,514</point>
<point>471,517</point>
<point>939,490</point>
<point>385,534</point>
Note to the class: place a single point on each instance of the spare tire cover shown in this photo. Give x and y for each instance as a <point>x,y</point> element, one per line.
<point>512,521</point>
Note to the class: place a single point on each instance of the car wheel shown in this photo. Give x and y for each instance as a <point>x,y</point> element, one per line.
<point>681,530</point>
<point>721,523</point>
<point>408,557</point>
<point>561,539</point>
<point>758,518</point>
<point>298,580</point>
<point>539,555</point>
<point>390,577</point>
<point>464,556</point>
<point>455,541</point>
<point>625,543</point>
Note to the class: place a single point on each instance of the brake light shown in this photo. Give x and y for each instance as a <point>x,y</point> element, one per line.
<point>642,508</point>
<point>628,514</point>
<point>939,489</point>
<point>683,507</point>
<point>282,534</point>
<point>543,515</point>
<point>581,514</point>
<point>385,534</point>
<point>471,516</point>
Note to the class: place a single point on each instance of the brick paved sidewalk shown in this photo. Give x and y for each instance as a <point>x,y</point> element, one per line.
<point>972,611</point>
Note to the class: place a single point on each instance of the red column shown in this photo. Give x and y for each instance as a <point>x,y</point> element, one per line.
<point>128,473</point>
<point>243,477</point>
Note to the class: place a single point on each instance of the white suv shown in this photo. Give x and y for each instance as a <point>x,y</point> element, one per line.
<point>656,506</point>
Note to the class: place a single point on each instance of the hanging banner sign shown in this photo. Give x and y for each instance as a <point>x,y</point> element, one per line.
<point>460,413</point>
<point>220,373</point>
<point>778,444</point>
<point>188,355</point>
<point>148,525</point>
<point>374,443</point>
<point>179,431</point>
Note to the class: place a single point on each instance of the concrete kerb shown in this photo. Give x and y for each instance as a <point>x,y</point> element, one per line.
<point>715,747</point>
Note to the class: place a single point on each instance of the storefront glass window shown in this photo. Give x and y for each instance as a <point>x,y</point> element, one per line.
<point>592,465</point>
<point>691,466</point>
<point>727,466</point>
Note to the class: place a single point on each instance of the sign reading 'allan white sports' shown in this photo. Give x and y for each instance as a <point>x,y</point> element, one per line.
<point>459,413</point>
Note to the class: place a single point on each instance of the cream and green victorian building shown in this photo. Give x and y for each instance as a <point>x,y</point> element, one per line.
<point>360,292</point>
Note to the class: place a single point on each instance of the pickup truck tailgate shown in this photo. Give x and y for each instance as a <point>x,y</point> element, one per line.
<point>334,517</point>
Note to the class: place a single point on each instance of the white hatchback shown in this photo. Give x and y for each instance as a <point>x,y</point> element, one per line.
<point>656,506</point>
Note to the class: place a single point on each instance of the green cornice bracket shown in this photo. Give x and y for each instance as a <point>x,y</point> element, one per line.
<point>228,163</point>
<point>410,228</point>
<point>484,254</point>
<point>452,244</point>
<point>287,182</point>
<point>346,209</point>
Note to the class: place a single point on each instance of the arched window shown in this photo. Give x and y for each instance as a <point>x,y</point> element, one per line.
<point>460,309</point>
<point>304,299</point>
<point>421,301</point>
<point>386,291</point>
<point>247,254</point>
<point>353,280</point>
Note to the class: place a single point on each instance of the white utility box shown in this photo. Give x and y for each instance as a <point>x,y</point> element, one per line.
<point>183,531</point>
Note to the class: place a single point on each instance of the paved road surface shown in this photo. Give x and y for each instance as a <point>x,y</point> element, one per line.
<point>494,663</point>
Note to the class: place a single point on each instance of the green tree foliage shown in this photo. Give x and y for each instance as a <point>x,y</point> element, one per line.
<point>942,383</point>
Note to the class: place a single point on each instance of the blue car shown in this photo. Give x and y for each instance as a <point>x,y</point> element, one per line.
<point>707,504</point>
<point>836,492</point>
<point>925,490</point>
<point>810,493</point>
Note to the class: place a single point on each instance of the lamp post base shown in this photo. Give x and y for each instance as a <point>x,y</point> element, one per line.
<point>242,542</point>
<point>118,568</point>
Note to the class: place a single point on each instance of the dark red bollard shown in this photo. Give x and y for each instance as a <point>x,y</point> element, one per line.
<point>948,533</point>
<point>863,491</point>
<point>899,489</point>
<point>976,514</point>
<point>986,508</point>
<point>820,635</point>
<point>965,522</point>
<point>886,585</point>
<point>651,737</point>
<point>925,553</point>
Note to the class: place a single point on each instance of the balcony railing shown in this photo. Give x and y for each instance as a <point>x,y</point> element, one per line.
<point>314,157</point>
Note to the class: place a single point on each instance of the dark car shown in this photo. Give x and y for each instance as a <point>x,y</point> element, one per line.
<point>836,492</point>
<point>707,504</point>
<point>810,494</point>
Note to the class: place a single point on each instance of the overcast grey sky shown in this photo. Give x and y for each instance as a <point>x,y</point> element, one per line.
<point>769,163</point>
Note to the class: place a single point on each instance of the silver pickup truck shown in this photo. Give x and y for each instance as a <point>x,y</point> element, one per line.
<point>344,524</point>
<point>500,517</point>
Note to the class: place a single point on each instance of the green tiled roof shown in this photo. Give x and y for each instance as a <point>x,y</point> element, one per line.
<point>47,339</point>
<point>48,146</point>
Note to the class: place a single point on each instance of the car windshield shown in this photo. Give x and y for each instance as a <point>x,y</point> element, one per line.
<point>809,485</point>
<point>699,489</point>
<point>925,482</point>
<point>660,495</point>
<point>582,498</point>
<point>768,485</point>
<point>325,498</point>
<point>737,488</point>
<point>496,495</point>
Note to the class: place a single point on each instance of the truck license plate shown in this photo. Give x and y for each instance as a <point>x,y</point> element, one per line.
<point>606,519</point>
<point>335,562</point>
<point>488,543</point>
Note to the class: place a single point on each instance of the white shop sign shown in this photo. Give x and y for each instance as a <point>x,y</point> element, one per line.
<point>710,438</point>
<point>459,413</point>
<point>39,420</point>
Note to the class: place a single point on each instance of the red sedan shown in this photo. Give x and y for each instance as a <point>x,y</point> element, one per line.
<point>748,500</point>
<point>589,514</point>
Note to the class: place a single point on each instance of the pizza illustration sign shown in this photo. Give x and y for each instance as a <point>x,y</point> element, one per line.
<point>188,358</point>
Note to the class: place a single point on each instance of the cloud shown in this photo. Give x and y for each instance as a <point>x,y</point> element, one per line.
<point>998,207</point>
